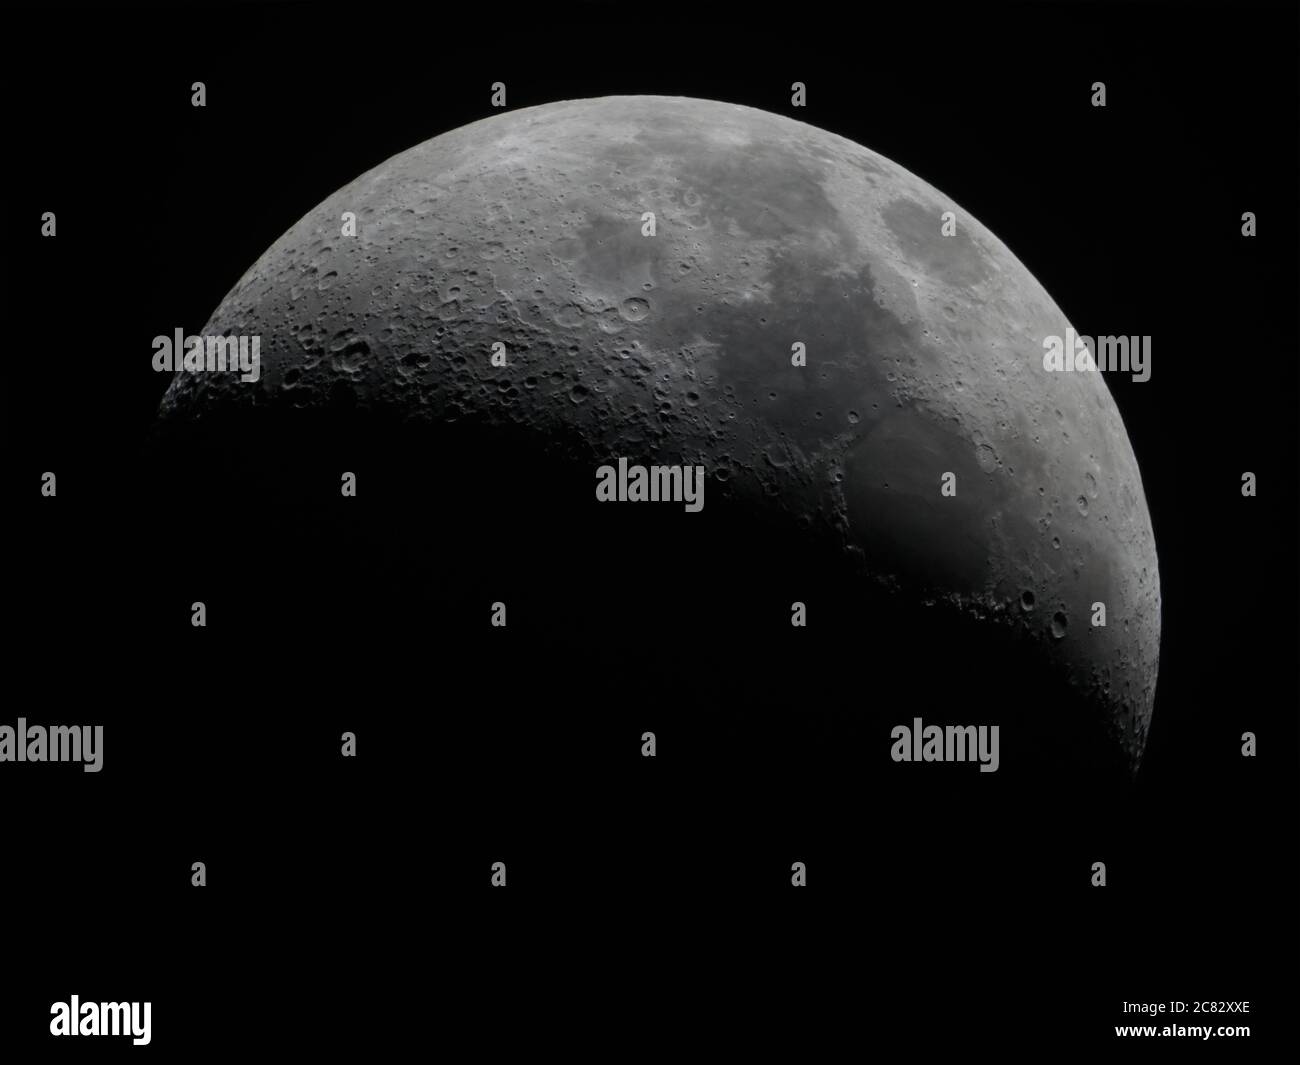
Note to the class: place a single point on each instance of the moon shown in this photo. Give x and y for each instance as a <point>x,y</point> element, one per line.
<point>651,266</point>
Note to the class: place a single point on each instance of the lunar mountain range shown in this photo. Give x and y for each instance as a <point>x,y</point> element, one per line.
<point>923,358</point>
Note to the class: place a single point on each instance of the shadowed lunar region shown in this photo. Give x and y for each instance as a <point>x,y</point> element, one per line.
<point>924,356</point>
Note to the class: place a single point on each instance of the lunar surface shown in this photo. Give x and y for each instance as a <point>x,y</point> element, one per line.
<point>923,358</point>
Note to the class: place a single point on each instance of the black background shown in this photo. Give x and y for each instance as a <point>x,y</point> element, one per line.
<point>347,903</point>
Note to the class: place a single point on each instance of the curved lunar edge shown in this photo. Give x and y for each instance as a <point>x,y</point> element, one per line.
<point>924,356</point>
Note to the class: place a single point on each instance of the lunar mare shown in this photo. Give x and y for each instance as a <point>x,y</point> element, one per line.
<point>924,352</point>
